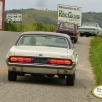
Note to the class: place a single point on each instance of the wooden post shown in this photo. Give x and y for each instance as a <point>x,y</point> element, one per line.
<point>3,14</point>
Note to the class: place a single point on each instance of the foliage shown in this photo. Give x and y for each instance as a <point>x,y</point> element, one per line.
<point>11,27</point>
<point>33,15</point>
<point>50,17</point>
<point>96,58</point>
<point>92,17</point>
<point>36,26</point>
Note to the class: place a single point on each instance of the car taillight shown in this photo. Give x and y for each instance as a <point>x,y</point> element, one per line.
<point>20,59</point>
<point>60,62</point>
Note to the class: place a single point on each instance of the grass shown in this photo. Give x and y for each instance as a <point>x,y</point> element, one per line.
<point>35,26</point>
<point>96,58</point>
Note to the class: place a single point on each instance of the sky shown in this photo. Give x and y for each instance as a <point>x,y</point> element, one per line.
<point>87,5</point>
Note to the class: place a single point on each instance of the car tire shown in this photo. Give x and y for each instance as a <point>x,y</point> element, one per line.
<point>75,40</point>
<point>81,34</point>
<point>87,35</point>
<point>70,80</point>
<point>12,76</point>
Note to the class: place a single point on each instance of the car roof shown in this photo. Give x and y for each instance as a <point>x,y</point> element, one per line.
<point>45,33</point>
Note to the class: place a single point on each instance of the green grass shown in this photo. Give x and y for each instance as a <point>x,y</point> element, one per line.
<point>96,58</point>
<point>35,26</point>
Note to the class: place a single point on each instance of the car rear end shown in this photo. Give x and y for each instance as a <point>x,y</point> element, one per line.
<point>46,57</point>
<point>88,31</point>
<point>69,29</point>
<point>40,65</point>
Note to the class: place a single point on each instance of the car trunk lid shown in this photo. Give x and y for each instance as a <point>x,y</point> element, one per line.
<point>39,51</point>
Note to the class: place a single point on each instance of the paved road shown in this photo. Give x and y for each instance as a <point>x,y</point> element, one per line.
<point>31,89</point>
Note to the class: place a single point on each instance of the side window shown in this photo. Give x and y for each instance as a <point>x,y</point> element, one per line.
<point>39,40</point>
<point>26,40</point>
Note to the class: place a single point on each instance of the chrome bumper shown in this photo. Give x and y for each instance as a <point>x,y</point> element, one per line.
<point>88,31</point>
<point>41,69</point>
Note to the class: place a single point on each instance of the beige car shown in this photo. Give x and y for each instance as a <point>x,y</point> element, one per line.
<point>42,54</point>
<point>90,29</point>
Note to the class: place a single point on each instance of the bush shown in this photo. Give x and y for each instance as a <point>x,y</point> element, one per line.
<point>36,26</point>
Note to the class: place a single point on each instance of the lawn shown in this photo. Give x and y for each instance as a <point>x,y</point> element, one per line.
<point>96,58</point>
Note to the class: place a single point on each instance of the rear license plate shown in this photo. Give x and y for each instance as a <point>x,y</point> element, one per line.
<point>40,60</point>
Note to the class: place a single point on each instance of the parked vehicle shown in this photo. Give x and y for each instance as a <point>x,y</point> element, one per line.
<point>90,29</point>
<point>42,53</point>
<point>69,29</point>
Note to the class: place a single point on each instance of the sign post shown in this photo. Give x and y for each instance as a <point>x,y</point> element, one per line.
<point>14,18</point>
<point>2,10</point>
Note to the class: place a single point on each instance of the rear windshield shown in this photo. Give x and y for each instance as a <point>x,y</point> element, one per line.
<point>66,26</point>
<point>39,40</point>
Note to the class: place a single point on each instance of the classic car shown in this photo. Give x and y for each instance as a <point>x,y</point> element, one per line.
<point>42,54</point>
<point>90,29</point>
<point>69,29</point>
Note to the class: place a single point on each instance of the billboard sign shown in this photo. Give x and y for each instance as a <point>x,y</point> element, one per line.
<point>10,17</point>
<point>1,7</point>
<point>71,14</point>
<point>2,10</point>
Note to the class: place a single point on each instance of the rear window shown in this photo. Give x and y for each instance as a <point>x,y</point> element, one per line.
<point>90,24</point>
<point>66,26</point>
<point>39,40</point>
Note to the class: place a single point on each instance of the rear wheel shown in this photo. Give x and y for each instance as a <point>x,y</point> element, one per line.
<point>12,76</point>
<point>81,34</point>
<point>87,35</point>
<point>70,80</point>
<point>75,40</point>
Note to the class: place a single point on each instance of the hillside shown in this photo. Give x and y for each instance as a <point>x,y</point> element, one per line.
<point>50,17</point>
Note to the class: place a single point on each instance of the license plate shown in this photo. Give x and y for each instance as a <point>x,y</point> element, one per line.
<point>40,60</point>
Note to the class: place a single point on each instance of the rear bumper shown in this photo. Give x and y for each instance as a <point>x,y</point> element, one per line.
<point>86,32</point>
<point>42,69</point>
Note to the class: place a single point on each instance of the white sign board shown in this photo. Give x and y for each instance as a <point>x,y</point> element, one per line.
<point>1,10</point>
<point>13,17</point>
<point>71,14</point>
